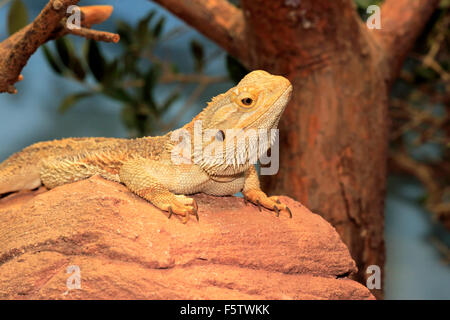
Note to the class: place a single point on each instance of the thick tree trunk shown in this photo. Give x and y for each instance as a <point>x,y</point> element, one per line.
<point>334,132</point>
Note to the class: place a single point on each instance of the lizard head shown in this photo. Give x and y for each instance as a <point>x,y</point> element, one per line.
<point>254,105</point>
<point>257,102</point>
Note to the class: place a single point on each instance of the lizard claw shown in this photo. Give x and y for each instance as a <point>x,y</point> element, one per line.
<point>182,206</point>
<point>196,211</point>
<point>277,210</point>
<point>262,200</point>
<point>194,203</point>
<point>259,205</point>
<point>289,210</point>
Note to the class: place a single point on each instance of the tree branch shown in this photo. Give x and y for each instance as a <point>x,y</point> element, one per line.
<point>402,22</point>
<point>95,34</point>
<point>18,48</point>
<point>219,20</point>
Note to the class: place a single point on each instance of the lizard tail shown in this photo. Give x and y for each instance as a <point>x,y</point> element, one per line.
<point>15,176</point>
<point>22,171</point>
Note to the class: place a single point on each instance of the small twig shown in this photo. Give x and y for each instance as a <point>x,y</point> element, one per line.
<point>95,34</point>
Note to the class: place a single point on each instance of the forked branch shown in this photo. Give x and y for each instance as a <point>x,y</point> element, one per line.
<point>219,20</point>
<point>49,24</point>
<point>402,22</point>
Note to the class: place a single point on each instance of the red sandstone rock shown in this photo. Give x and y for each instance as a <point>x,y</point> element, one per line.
<point>127,249</point>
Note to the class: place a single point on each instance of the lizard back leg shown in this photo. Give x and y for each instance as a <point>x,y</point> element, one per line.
<point>141,177</point>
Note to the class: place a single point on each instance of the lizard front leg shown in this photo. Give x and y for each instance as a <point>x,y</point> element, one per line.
<point>140,176</point>
<point>253,193</point>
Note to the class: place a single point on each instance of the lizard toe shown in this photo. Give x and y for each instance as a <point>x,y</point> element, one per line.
<point>272,203</point>
<point>181,209</point>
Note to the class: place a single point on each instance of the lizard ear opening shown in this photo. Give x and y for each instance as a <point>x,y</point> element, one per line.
<point>220,135</point>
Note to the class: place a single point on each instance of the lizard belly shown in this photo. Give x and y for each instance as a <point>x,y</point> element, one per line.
<point>224,188</point>
<point>180,179</point>
<point>190,179</point>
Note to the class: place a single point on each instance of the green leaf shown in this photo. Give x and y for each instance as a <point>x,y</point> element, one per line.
<point>142,28</point>
<point>112,73</point>
<point>235,69</point>
<point>425,74</point>
<point>52,61</point>
<point>96,61</point>
<point>70,100</point>
<point>77,68</point>
<point>149,17</point>
<point>150,81</point>
<point>66,52</point>
<point>118,94</point>
<point>143,33</point>
<point>64,49</point>
<point>17,17</point>
<point>198,53</point>
<point>125,31</point>
<point>157,30</point>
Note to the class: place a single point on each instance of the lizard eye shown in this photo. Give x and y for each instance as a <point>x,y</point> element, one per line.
<point>247,101</point>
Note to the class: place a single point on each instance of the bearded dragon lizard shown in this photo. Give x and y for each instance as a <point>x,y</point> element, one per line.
<point>145,165</point>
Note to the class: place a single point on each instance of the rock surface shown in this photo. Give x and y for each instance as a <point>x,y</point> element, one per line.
<point>127,249</point>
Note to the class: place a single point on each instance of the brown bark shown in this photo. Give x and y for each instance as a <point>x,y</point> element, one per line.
<point>334,133</point>
<point>219,20</point>
<point>16,50</point>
